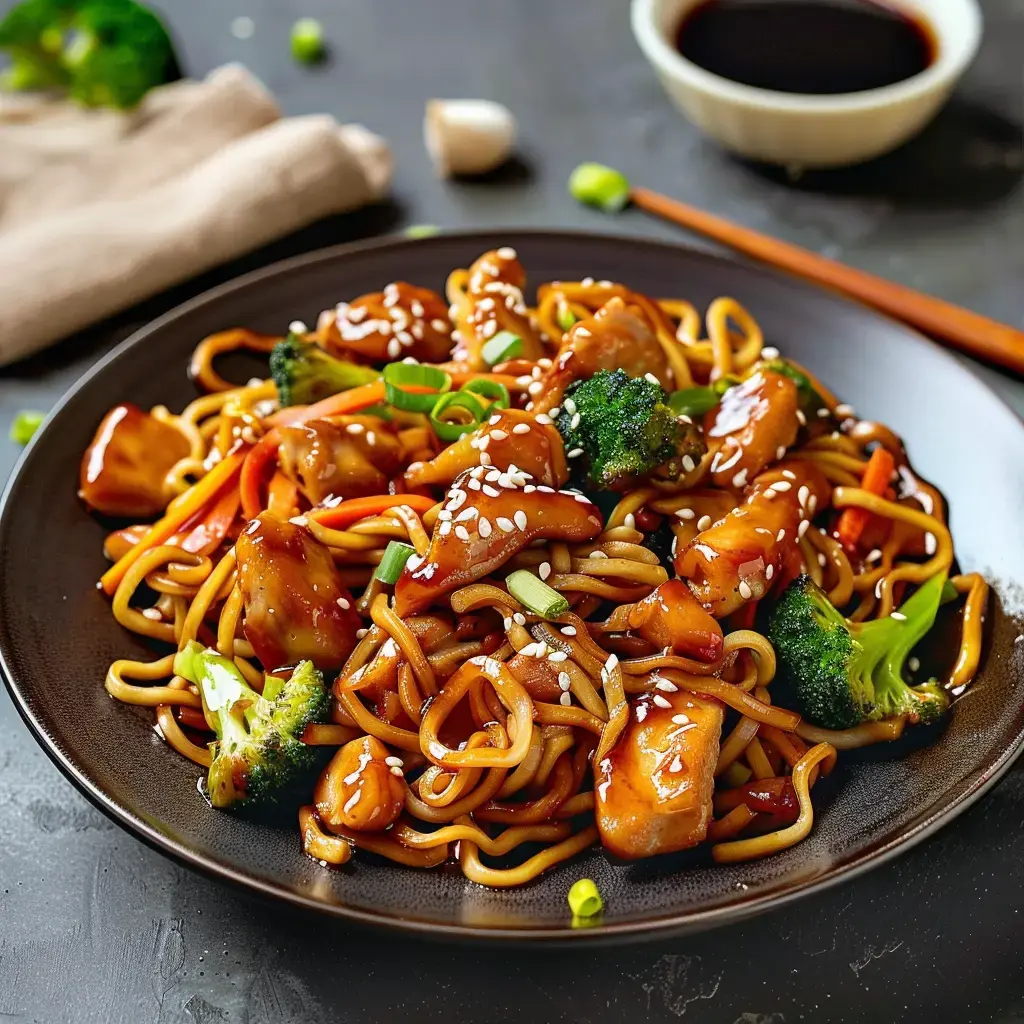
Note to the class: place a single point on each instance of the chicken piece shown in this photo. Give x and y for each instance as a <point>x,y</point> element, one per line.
<point>488,517</point>
<point>123,469</point>
<point>359,790</point>
<point>754,424</point>
<point>495,295</point>
<point>671,617</point>
<point>538,676</point>
<point>616,337</point>
<point>654,789</point>
<point>707,506</point>
<point>345,457</point>
<point>295,605</point>
<point>403,320</point>
<point>513,438</point>
<point>736,559</point>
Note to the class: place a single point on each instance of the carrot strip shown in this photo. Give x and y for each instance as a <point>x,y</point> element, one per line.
<point>179,512</point>
<point>335,405</point>
<point>254,469</point>
<point>210,530</point>
<point>282,495</point>
<point>351,511</point>
<point>877,475</point>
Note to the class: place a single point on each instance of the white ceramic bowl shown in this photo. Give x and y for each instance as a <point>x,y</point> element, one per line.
<point>809,131</point>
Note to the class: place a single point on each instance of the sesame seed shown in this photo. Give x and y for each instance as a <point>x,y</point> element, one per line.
<point>439,325</point>
<point>520,518</point>
<point>873,555</point>
<point>544,570</point>
<point>394,348</point>
<point>913,664</point>
<point>456,499</point>
<point>612,663</point>
<point>530,649</point>
<point>524,381</point>
<point>558,657</point>
<point>666,686</point>
<point>843,410</point>
<point>444,529</point>
<point>474,484</point>
<point>371,437</point>
<point>360,633</point>
<point>521,428</point>
<point>769,493</point>
<point>468,513</point>
<point>491,492</point>
<point>393,762</point>
<point>462,533</point>
<point>745,591</point>
<point>491,475</point>
<point>688,464</point>
<point>484,528</point>
<point>822,560</point>
<point>535,388</point>
<point>803,494</point>
<point>569,405</point>
<point>542,418</point>
<point>662,702</point>
<point>519,618</point>
<point>575,421</point>
<point>552,413</point>
<point>930,544</point>
<point>574,453</point>
<point>394,771</point>
<point>680,719</point>
<point>506,524</point>
<point>507,622</point>
<point>652,378</point>
<point>344,604</point>
<point>780,452</point>
<point>878,589</point>
<point>298,327</point>
<point>481,442</point>
<point>769,571</point>
<point>740,479</point>
<point>780,536</point>
<point>789,474</point>
<point>565,700</point>
<point>898,616</point>
<point>801,418</point>
<point>685,513</point>
<point>782,485</point>
<point>355,428</point>
<point>598,554</point>
<point>564,681</point>
<point>485,459</point>
<point>802,528</point>
<point>629,521</point>
<point>498,435</point>
<point>703,523</point>
<point>568,630</point>
<point>506,252</point>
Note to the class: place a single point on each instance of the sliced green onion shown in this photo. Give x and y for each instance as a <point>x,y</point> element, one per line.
<point>536,595</point>
<point>724,383</point>
<point>565,316</point>
<point>693,401</point>
<point>584,899</point>
<point>451,430</point>
<point>503,346</point>
<point>398,374</point>
<point>380,411</point>
<point>492,389</point>
<point>422,230</point>
<point>949,593</point>
<point>308,41</point>
<point>27,422</point>
<point>396,554</point>
<point>600,186</point>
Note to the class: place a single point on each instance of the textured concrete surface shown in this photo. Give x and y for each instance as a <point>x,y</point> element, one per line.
<point>95,928</point>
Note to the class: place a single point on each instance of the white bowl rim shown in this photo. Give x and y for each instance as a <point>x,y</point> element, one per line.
<point>953,58</point>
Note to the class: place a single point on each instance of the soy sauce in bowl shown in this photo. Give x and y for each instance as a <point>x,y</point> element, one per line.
<point>814,47</point>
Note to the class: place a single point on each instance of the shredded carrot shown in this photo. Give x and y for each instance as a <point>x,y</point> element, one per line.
<point>209,529</point>
<point>178,513</point>
<point>877,475</point>
<point>256,466</point>
<point>283,495</point>
<point>354,509</point>
<point>335,405</point>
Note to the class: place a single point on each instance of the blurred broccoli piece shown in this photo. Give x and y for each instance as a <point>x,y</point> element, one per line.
<point>626,430</point>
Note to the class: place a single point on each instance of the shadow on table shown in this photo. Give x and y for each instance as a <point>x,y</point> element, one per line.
<point>86,346</point>
<point>968,156</point>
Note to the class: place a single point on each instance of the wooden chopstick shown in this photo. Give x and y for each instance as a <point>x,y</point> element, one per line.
<point>969,332</point>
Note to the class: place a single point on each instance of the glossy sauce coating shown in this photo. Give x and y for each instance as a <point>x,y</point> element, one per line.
<point>654,788</point>
<point>671,617</point>
<point>123,469</point>
<point>295,605</point>
<point>488,517</point>
<point>360,790</point>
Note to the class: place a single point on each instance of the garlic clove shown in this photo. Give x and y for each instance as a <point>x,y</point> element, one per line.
<point>466,137</point>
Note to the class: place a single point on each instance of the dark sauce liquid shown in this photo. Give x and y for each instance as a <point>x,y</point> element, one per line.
<point>806,46</point>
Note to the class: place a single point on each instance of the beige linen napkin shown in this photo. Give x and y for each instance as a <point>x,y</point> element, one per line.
<point>99,209</point>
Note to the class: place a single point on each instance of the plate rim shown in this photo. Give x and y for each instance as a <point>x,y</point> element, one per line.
<point>632,930</point>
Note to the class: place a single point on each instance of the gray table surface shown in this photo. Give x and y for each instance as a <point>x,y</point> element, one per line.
<point>96,928</point>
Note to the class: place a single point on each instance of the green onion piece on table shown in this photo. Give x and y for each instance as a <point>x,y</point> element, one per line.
<point>536,595</point>
<point>26,423</point>
<point>599,186</point>
<point>584,899</point>
<point>448,429</point>
<point>396,554</point>
<point>397,376</point>
<point>503,346</point>
<point>308,41</point>
<point>492,389</point>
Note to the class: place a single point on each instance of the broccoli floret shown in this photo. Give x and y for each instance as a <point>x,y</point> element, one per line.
<point>843,673</point>
<point>304,373</point>
<point>809,399</point>
<point>258,749</point>
<point>103,52</point>
<point>625,429</point>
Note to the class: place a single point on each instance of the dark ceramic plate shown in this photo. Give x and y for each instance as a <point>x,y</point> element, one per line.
<point>57,636</point>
